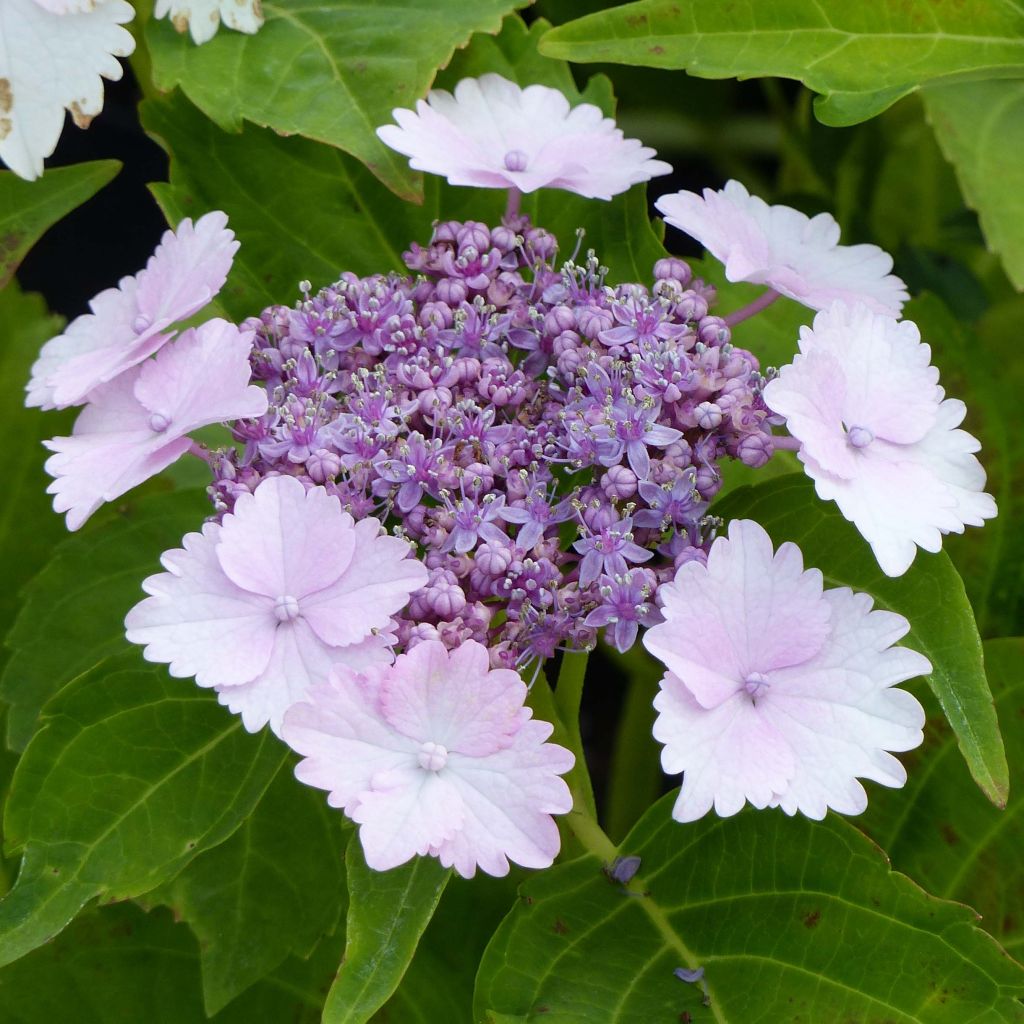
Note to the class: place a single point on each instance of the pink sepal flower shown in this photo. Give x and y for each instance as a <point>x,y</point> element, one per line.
<point>495,134</point>
<point>130,322</point>
<point>878,436</point>
<point>778,693</point>
<point>265,604</point>
<point>797,255</point>
<point>435,755</point>
<point>137,425</point>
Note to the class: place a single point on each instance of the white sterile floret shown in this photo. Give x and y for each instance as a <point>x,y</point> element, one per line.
<point>878,436</point>
<point>493,133</point>
<point>203,17</point>
<point>796,255</point>
<point>54,55</point>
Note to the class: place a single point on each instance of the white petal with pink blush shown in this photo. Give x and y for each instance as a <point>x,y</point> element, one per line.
<point>878,436</point>
<point>138,424</point>
<point>796,255</point>
<point>493,133</point>
<point>803,702</point>
<point>54,55</point>
<point>435,755</point>
<point>127,324</point>
<point>233,613</point>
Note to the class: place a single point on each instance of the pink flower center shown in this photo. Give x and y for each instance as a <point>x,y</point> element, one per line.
<point>755,684</point>
<point>859,437</point>
<point>158,422</point>
<point>515,160</point>
<point>286,608</point>
<point>433,757</point>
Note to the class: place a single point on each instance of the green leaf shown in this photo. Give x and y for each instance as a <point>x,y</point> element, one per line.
<point>119,964</point>
<point>72,613</point>
<point>387,913</point>
<point>930,595</point>
<point>130,776</point>
<point>983,368</point>
<point>943,834</point>
<point>24,326</point>
<point>860,57</point>
<point>29,208</point>
<point>264,893</point>
<point>980,127</point>
<point>791,920</point>
<point>332,70</point>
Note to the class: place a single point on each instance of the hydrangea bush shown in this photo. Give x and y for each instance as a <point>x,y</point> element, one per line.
<point>599,585</point>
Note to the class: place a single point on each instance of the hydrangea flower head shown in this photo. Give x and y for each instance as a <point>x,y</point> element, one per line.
<point>878,436</point>
<point>796,255</point>
<point>137,425</point>
<point>493,133</point>
<point>435,755</point>
<point>54,55</point>
<point>203,17</point>
<point>262,605</point>
<point>129,323</point>
<point>778,693</point>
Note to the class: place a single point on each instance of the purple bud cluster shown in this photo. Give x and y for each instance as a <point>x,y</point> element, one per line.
<point>550,443</point>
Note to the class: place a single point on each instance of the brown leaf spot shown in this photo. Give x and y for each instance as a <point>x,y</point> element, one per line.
<point>11,241</point>
<point>560,927</point>
<point>950,836</point>
<point>811,920</point>
<point>636,20</point>
<point>657,50</point>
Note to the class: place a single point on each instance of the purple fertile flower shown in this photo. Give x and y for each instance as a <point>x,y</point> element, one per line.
<point>608,550</point>
<point>626,605</point>
<point>535,513</point>
<point>678,504</point>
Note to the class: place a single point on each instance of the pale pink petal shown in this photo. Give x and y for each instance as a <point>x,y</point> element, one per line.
<point>53,58</point>
<point>494,134</point>
<point>187,269</point>
<point>454,699</point>
<point>198,622</point>
<point>778,246</point>
<point>297,662</point>
<point>375,584</point>
<point>757,610</point>
<point>408,812</point>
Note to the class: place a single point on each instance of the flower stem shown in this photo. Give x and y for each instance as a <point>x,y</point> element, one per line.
<point>200,452</point>
<point>512,206</point>
<point>763,300</point>
<point>785,443</point>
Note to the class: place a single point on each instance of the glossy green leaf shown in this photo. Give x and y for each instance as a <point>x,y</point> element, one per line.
<point>941,832</point>
<point>29,208</point>
<point>930,595</point>
<point>860,57</point>
<point>130,776</point>
<point>276,887</point>
<point>983,368</point>
<point>330,70</point>
<point>119,964</point>
<point>790,919</point>
<point>72,614</point>
<point>387,913</point>
<point>980,127</point>
<point>24,326</point>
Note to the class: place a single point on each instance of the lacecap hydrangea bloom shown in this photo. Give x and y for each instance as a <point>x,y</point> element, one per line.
<point>793,254</point>
<point>878,436</point>
<point>435,755</point>
<point>778,693</point>
<point>202,18</point>
<point>131,322</point>
<point>54,55</point>
<point>264,604</point>
<point>493,133</point>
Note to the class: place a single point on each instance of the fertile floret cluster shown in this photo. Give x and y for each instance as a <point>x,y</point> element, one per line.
<point>549,442</point>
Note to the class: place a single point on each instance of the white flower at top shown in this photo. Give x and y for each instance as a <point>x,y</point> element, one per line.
<point>263,605</point>
<point>54,55</point>
<point>435,755</point>
<point>203,17</point>
<point>131,322</point>
<point>796,255</point>
<point>878,436</point>
<point>495,134</point>
<point>778,693</point>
